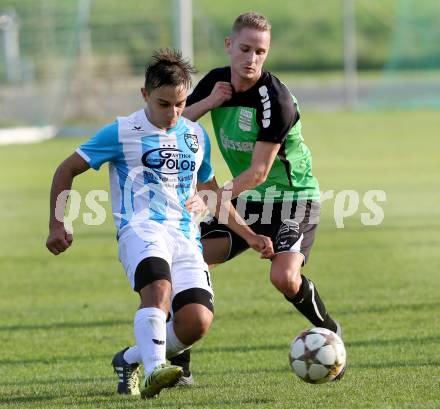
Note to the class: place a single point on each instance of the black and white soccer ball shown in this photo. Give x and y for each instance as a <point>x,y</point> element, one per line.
<point>317,355</point>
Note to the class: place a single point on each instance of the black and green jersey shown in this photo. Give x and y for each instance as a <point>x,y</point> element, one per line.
<point>265,112</point>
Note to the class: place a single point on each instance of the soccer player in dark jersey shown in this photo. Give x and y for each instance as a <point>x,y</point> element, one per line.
<point>258,130</point>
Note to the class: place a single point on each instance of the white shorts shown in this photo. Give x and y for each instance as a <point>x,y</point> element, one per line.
<point>185,258</point>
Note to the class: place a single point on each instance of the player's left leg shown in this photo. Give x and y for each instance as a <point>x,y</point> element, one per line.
<point>220,244</point>
<point>285,275</point>
<point>190,323</point>
<point>192,303</point>
<point>293,240</point>
<point>192,317</point>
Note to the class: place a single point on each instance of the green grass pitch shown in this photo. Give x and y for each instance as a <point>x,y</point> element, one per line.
<point>62,318</point>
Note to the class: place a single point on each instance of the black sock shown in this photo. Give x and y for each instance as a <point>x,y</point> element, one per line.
<point>308,302</point>
<point>183,360</point>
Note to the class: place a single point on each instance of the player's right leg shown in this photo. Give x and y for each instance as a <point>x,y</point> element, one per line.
<point>147,261</point>
<point>150,328</point>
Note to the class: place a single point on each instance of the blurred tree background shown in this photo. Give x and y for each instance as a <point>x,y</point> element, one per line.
<point>307,34</point>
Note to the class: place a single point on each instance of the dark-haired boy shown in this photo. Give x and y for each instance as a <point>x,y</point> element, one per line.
<point>156,158</point>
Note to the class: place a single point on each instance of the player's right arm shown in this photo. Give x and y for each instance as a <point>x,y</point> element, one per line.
<point>59,238</point>
<point>102,147</point>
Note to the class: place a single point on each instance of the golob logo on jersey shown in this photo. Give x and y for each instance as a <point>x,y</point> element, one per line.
<point>168,161</point>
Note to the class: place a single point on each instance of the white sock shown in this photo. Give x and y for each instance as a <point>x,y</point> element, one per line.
<point>133,355</point>
<point>150,334</point>
<point>173,347</point>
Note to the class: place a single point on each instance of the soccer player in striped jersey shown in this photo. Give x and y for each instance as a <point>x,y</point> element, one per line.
<point>156,159</point>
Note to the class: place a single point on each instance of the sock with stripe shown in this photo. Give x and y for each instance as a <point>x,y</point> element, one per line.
<point>150,334</point>
<point>308,302</point>
<point>173,344</point>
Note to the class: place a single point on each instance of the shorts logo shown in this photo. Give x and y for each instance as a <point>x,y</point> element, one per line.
<point>150,243</point>
<point>245,120</point>
<point>288,235</point>
<point>192,142</point>
<point>293,225</point>
<point>289,225</point>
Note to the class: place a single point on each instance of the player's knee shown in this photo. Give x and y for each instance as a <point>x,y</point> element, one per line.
<point>200,325</point>
<point>287,281</point>
<point>193,314</point>
<point>192,322</point>
<point>296,283</point>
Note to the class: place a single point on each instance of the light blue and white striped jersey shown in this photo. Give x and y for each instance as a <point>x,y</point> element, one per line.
<point>152,172</point>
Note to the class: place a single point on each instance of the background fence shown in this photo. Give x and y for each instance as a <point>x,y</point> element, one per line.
<point>82,61</point>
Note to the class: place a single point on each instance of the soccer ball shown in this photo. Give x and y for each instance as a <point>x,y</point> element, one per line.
<point>317,355</point>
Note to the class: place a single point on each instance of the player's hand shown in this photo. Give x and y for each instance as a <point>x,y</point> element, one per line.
<point>262,244</point>
<point>196,205</point>
<point>59,240</point>
<point>221,93</point>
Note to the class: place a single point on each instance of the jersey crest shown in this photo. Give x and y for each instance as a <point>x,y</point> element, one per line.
<point>245,120</point>
<point>192,142</point>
